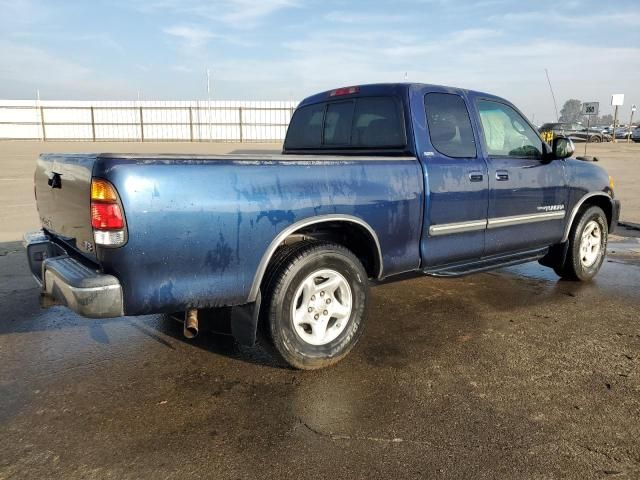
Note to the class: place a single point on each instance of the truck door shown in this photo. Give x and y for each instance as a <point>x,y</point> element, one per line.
<point>527,195</point>
<point>456,183</point>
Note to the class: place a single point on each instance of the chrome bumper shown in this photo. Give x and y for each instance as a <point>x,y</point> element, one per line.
<point>66,281</point>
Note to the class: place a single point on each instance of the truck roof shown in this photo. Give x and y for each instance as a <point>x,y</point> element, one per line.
<point>382,89</point>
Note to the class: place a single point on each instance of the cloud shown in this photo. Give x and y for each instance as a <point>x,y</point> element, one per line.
<point>599,19</point>
<point>341,16</point>
<point>192,36</point>
<point>25,68</point>
<point>22,13</point>
<point>239,14</point>
<point>181,69</point>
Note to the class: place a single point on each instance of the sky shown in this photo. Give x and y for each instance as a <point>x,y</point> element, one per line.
<point>289,49</point>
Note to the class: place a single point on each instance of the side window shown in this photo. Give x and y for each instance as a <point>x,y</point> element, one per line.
<point>337,123</point>
<point>305,129</point>
<point>449,125</point>
<point>506,133</point>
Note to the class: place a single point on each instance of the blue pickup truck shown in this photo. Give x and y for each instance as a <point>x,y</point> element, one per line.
<point>375,183</point>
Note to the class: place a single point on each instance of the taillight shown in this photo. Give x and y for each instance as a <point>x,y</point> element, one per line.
<point>107,218</point>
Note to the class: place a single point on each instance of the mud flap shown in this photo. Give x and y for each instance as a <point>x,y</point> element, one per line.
<point>556,256</point>
<point>244,322</point>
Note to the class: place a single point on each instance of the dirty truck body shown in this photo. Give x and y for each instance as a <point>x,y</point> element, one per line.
<point>378,181</point>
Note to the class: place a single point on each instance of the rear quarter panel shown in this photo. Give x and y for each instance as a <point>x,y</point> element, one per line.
<point>198,228</point>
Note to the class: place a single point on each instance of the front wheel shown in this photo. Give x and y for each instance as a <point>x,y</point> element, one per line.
<point>587,246</point>
<point>595,140</point>
<point>315,298</point>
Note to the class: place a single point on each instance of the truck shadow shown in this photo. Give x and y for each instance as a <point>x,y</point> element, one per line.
<point>214,337</point>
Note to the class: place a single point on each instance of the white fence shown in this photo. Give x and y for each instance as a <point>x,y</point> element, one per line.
<point>189,121</point>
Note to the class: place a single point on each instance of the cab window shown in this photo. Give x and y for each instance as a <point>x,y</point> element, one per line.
<point>359,123</point>
<point>449,124</point>
<point>507,133</point>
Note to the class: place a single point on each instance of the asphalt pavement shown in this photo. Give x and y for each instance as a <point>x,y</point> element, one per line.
<point>500,375</point>
<point>509,374</point>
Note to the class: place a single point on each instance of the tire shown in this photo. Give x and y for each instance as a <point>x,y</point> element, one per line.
<point>595,140</point>
<point>585,257</point>
<point>315,297</point>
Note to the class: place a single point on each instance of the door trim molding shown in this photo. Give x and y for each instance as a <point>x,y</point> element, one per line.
<point>524,219</point>
<point>458,227</point>
<point>492,223</point>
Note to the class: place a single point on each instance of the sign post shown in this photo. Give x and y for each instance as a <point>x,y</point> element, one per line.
<point>617,100</point>
<point>589,109</point>
<point>633,110</point>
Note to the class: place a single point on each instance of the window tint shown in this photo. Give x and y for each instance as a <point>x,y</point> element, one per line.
<point>337,123</point>
<point>449,125</point>
<point>364,122</point>
<point>378,122</point>
<point>506,133</point>
<point>305,129</point>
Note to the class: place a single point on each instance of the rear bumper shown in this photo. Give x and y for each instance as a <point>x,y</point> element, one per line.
<point>66,281</point>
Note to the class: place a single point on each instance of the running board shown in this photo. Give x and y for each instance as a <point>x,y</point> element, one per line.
<point>490,263</point>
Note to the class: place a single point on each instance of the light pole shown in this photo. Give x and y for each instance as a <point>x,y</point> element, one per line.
<point>633,110</point>
<point>209,102</point>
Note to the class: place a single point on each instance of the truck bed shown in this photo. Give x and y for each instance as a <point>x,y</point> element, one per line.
<point>200,226</point>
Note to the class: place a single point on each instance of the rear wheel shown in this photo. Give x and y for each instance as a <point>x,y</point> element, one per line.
<point>314,303</point>
<point>595,140</point>
<point>587,246</point>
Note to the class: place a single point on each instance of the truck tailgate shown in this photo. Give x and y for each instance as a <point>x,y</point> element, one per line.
<point>63,196</point>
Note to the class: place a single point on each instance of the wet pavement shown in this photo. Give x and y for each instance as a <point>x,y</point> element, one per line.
<point>508,374</point>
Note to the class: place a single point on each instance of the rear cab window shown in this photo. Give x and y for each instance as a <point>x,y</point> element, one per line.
<point>358,123</point>
<point>449,124</point>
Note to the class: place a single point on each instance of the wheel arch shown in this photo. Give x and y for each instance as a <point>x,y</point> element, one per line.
<point>335,228</point>
<point>598,199</point>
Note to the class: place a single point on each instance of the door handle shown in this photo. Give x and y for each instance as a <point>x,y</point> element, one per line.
<point>475,176</point>
<point>502,175</point>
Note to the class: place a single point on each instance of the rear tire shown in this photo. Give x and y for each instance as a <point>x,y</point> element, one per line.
<point>587,246</point>
<point>315,297</point>
<point>595,140</point>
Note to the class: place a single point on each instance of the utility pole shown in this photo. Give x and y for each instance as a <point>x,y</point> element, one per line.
<point>43,135</point>
<point>209,102</point>
<point>633,110</point>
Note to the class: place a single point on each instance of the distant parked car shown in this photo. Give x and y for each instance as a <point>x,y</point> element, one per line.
<point>635,134</point>
<point>622,133</point>
<point>575,131</point>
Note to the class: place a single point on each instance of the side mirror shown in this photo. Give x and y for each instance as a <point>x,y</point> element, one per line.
<point>562,147</point>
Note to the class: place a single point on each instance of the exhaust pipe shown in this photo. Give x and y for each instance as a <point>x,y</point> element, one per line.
<point>191,323</point>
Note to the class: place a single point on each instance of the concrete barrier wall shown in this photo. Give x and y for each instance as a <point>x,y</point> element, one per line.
<point>224,121</point>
